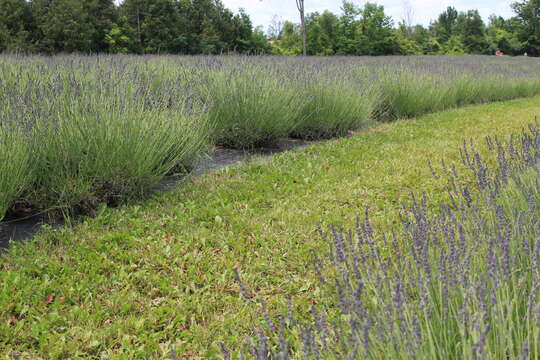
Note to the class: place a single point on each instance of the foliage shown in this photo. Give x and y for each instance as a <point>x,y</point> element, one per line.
<point>208,27</point>
<point>322,31</point>
<point>92,141</point>
<point>454,46</point>
<point>15,163</point>
<point>445,25</point>
<point>334,107</point>
<point>528,17</point>
<point>377,35</point>
<point>251,107</point>
<point>134,26</point>
<point>15,26</point>
<point>502,36</point>
<point>117,41</point>
<point>368,31</point>
<point>471,29</point>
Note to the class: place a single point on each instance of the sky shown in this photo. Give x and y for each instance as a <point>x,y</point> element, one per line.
<point>262,11</point>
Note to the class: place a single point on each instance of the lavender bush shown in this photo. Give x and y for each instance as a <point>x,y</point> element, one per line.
<point>462,282</point>
<point>334,106</point>
<point>98,129</point>
<point>15,160</point>
<point>251,108</point>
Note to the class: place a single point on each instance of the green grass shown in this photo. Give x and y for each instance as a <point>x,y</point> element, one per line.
<point>137,279</point>
<point>438,311</point>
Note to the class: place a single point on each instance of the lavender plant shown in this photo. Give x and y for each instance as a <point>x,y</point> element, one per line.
<point>333,107</point>
<point>251,107</point>
<point>94,140</point>
<point>459,283</point>
<point>408,92</point>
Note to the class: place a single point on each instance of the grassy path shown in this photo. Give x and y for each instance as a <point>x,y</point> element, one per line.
<point>137,279</point>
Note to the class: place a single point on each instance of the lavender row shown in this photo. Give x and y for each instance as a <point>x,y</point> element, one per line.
<point>77,131</point>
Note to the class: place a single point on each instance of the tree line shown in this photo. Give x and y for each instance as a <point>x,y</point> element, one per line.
<point>134,26</point>
<point>367,30</point>
<point>208,27</point>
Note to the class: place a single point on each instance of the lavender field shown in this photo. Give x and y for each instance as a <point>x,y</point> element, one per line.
<point>79,131</point>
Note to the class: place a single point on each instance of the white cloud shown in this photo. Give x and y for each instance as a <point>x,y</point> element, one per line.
<point>262,11</point>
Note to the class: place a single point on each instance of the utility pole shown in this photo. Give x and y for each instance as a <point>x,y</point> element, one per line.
<point>139,26</point>
<point>300,6</point>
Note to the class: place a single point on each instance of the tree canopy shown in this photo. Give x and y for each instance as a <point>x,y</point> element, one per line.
<point>134,26</point>
<point>208,27</point>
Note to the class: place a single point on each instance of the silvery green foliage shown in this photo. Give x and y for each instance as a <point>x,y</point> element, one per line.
<point>459,282</point>
<point>108,128</point>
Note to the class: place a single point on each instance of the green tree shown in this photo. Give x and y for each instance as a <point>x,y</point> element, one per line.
<point>454,46</point>
<point>259,43</point>
<point>445,25</point>
<point>290,42</point>
<point>377,35</point>
<point>62,26</point>
<point>421,36</point>
<point>528,15</point>
<point>160,27</point>
<point>242,39</point>
<point>321,33</point>
<point>100,15</point>
<point>471,29</point>
<point>210,27</point>
<point>501,35</point>
<point>135,13</point>
<point>413,40</point>
<point>433,46</point>
<point>118,41</point>
<point>347,33</point>
<point>71,25</point>
<point>15,25</point>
